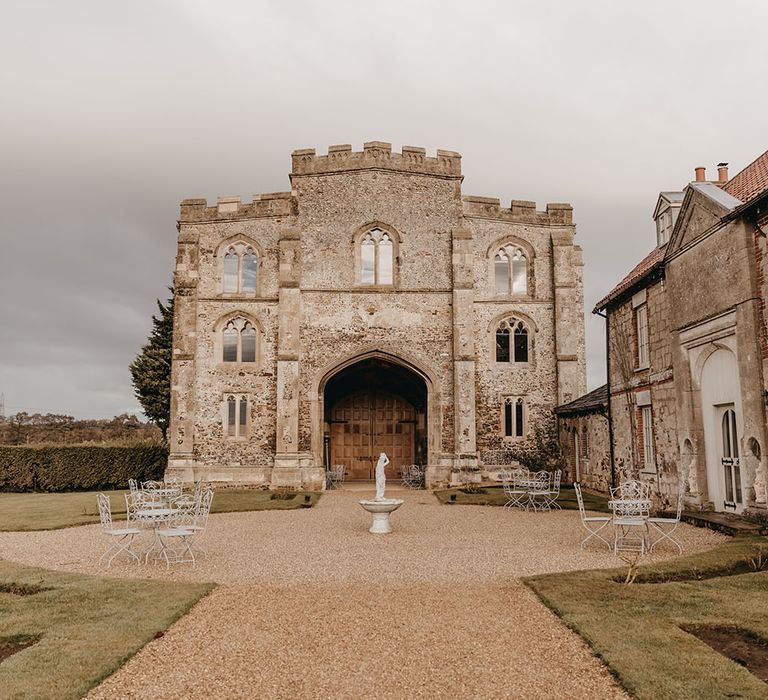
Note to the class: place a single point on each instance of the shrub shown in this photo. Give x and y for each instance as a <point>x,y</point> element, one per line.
<point>79,467</point>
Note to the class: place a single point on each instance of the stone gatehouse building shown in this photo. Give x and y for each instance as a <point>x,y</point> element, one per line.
<point>371,308</point>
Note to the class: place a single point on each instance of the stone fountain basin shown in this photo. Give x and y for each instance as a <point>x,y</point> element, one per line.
<point>381,510</point>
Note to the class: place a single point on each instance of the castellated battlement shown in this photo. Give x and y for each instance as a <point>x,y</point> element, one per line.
<point>271,204</point>
<point>520,210</point>
<point>376,155</point>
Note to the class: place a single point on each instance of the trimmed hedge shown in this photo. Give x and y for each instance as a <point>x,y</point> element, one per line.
<point>78,468</point>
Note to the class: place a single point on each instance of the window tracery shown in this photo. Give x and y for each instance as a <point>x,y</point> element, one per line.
<point>510,271</point>
<point>239,341</point>
<point>240,269</point>
<point>377,258</point>
<point>512,341</point>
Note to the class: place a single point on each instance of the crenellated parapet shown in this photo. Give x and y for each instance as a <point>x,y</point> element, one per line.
<point>522,211</point>
<point>376,155</point>
<point>272,204</point>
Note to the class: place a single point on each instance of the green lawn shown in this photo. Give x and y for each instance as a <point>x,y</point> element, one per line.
<point>494,496</point>
<point>50,511</point>
<point>82,628</point>
<point>637,631</point>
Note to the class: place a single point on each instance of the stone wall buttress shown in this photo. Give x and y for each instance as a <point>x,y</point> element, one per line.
<point>568,314</point>
<point>182,426</point>
<point>463,348</point>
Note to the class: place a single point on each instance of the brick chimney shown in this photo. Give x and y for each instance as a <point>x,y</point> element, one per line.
<point>700,173</point>
<point>722,173</point>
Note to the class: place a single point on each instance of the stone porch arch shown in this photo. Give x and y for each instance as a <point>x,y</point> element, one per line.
<point>417,366</point>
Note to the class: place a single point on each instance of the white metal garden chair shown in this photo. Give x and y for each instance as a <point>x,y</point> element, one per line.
<point>334,476</point>
<point>593,524</point>
<point>631,511</point>
<point>120,538</point>
<point>199,522</point>
<point>545,489</point>
<point>516,493</point>
<point>665,527</point>
<point>412,476</point>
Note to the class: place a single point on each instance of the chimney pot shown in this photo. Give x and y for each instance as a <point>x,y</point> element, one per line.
<point>700,173</point>
<point>722,172</point>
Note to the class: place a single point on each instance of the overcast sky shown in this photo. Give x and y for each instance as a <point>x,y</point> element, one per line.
<point>111,113</point>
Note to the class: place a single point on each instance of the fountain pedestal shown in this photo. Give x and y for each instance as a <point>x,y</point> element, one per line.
<point>380,510</point>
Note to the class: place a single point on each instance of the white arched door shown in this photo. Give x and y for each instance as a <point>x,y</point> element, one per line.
<point>721,415</point>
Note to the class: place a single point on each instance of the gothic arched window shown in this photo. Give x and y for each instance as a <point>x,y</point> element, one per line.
<point>512,342</point>
<point>510,271</point>
<point>377,257</point>
<point>236,421</point>
<point>239,341</point>
<point>240,266</point>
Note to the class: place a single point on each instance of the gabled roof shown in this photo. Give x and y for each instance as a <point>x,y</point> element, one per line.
<point>668,199</point>
<point>647,265</point>
<point>595,400</point>
<point>751,181</point>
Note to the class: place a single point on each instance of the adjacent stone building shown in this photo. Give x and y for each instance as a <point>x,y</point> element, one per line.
<point>687,347</point>
<point>371,308</point>
<point>584,439</point>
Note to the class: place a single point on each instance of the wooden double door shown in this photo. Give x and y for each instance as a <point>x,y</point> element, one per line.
<point>369,422</point>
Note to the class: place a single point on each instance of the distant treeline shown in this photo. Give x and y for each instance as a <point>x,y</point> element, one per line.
<point>54,429</point>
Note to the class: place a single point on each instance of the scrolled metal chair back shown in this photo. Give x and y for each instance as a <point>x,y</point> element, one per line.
<point>151,485</point>
<point>634,489</point>
<point>580,500</point>
<point>133,485</point>
<point>105,511</point>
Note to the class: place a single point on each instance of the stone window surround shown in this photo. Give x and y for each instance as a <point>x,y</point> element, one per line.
<point>218,339</point>
<point>513,400</point>
<point>238,397</point>
<point>646,434</point>
<point>357,239</point>
<point>639,308</point>
<point>530,255</point>
<point>532,330</point>
<point>221,251</point>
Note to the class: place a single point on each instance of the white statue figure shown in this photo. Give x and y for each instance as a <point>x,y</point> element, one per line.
<point>381,479</point>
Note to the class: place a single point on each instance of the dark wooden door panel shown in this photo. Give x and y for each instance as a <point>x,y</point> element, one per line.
<point>367,423</point>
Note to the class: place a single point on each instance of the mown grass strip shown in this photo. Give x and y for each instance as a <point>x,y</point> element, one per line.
<point>637,629</point>
<point>51,511</point>
<point>79,629</point>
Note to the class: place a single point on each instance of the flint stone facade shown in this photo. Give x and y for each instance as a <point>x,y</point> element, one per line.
<point>414,355</point>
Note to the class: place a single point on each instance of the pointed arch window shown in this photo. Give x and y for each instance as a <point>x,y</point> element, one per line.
<point>240,269</point>
<point>239,341</point>
<point>510,271</point>
<point>512,342</point>
<point>377,258</point>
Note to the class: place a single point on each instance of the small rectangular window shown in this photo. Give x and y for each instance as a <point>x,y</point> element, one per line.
<point>508,420</point>
<point>514,417</point>
<point>231,416</point>
<point>649,458</point>
<point>641,328</point>
<point>237,416</point>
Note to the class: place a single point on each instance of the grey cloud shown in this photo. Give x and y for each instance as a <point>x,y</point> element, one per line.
<point>112,113</point>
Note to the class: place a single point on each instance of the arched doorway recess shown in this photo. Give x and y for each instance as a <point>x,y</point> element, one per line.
<point>370,406</point>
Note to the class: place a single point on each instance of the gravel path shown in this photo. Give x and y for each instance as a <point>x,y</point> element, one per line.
<point>312,605</point>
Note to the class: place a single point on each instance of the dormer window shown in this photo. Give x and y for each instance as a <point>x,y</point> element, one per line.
<point>664,227</point>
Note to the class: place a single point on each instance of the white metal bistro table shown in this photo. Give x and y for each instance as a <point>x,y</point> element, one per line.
<point>157,518</point>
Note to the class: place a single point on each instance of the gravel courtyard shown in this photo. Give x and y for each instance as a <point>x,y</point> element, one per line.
<point>312,605</point>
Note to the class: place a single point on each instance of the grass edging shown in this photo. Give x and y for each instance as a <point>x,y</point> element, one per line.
<point>87,627</point>
<point>637,631</point>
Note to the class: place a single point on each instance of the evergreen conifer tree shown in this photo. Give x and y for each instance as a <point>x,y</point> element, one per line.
<point>151,370</point>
